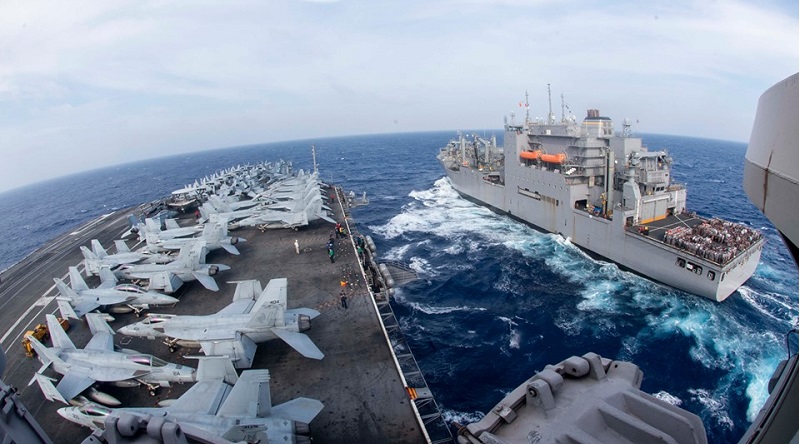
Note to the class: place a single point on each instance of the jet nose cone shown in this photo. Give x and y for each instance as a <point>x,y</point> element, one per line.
<point>169,300</point>
<point>126,330</point>
<point>65,412</point>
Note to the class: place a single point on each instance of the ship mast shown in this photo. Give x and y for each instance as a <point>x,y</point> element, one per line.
<point>314,157</point>
<point>563,117</point>
<point>551,119</point>
<point>527,109</point>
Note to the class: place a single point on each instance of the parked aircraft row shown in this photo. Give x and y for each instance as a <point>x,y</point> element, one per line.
<point>288,203</point>
<point>220,404</point>
<point>283,197</point>
<point>236,408</point>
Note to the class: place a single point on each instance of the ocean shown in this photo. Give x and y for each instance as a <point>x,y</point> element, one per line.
<point>498,300</point>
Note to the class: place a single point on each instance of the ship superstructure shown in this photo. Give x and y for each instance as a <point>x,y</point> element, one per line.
<point>607,193</point>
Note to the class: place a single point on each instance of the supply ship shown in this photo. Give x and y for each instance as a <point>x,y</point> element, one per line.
<point>606,193</point>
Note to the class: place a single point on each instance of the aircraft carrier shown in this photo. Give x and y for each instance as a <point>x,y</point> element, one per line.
<point>606,193</point>
<point>368,380</point>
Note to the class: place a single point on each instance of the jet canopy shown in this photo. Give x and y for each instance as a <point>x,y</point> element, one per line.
<point>148,360</point>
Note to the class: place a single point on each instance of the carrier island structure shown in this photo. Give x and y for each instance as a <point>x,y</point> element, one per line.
<point>609,195</point>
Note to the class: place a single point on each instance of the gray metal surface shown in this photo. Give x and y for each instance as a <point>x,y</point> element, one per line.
<point>584,399</point>
<point>603,192</point>
<point>771,161</point>
<point>770,181</point>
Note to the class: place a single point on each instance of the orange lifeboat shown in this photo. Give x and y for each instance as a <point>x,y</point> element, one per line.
<point>554,158</point>
<point>530,155</point>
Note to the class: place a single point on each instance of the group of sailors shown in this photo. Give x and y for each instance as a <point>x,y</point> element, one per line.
<point>716,240</point>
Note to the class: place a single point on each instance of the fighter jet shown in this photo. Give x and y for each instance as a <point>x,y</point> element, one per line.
<point>188,266</point>
<point>215,235</point>
<point>254,316</point>
<point>98,362</point>
<point>207,211</point>
<point>268,219</point>
<point>78,299</point>
<point>172,231</point>
<point>98,257</point>
<point>242,413</point>
<point>286,206</point>
<point>228,204</point>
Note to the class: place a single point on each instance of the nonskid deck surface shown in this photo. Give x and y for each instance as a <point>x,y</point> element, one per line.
<point>364,398</point>
<point>657,229</point>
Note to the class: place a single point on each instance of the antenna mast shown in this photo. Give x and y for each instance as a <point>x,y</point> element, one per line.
<point>527,109</point>
<point>314,157</point>
<point>626,128</point>
<point>563,117</point>
<point>550,117</point>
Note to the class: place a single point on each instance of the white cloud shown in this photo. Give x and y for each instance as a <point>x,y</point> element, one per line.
<point>113,83</point>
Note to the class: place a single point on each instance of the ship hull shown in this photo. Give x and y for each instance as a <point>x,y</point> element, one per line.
<point>601,237</point>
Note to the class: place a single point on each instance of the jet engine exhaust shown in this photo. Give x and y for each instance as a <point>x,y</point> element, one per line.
<point>303,322</point>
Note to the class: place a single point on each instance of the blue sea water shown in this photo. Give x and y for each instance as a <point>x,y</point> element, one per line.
<point>498,300</point>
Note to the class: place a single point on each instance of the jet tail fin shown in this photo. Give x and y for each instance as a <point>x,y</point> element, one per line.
<point>122,247</point>
<point>46,355</point>
<point>76,281</point>
<point>310,312</point>
<point>275,293</point>
<point>249,397</point>
<point>97,323</point>
<point>65,290</point>
<point>91,260</point>
<point>300,342</point>
<point>312,208</point>
<point>57,334</point>
<point>230,248</point>
<point>171,224</point>
<point>206,211</point>
<point>298,409</point>
<point>209,231</point>
<point>107,278</point>
<point>247,289</point>
<point>66,309</point>
<point>134,225</point>
<point>207,281</point>
<point>216,367</point>
<point>325,217</point>
<point>98,249</point>
<point>50,391</point>
<point>152,225</point>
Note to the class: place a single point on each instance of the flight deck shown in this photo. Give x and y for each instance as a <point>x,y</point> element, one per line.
<point>366,398</point>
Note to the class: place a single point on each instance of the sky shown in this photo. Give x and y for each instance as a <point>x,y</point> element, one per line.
<point>88,84</point>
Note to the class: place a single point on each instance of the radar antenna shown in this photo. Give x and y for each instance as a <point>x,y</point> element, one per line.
<point>550,117</point>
